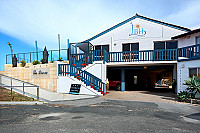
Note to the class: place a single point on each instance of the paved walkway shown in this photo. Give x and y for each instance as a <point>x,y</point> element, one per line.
<point>145,96</point>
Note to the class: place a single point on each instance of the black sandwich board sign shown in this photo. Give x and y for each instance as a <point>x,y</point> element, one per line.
<point>75,89</point>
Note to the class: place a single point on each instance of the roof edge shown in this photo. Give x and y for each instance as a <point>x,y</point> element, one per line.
<point>186,34</point>
<point>131,18</point>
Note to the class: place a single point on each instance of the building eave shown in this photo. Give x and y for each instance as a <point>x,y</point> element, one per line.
<point>132,18</point>
<point>186,34</point>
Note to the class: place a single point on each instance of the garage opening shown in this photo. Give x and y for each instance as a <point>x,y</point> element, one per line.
<point>147,78</point>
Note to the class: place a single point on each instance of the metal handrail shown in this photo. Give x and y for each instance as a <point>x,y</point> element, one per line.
<point>11,86</point>
<point>29,58</point>
<point>19,80</point>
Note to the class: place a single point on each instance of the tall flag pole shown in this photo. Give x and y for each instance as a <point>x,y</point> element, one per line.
<point>59,45</point>
<point>36,49</point>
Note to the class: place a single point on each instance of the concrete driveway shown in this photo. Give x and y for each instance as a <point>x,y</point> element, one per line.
<point>144,96</point>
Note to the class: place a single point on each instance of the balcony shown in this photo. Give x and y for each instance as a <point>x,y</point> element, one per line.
<point>189,53</point>
<point>147,55</point>
<point>127,56</point>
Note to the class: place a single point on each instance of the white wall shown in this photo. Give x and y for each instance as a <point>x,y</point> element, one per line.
<point>98,69</point>
<point>183,72</point>
<point>188,40</point>
<point>154,32</point>
<point>64,84</point>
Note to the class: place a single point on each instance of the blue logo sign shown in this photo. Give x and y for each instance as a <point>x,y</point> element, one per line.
<point>137,30</point>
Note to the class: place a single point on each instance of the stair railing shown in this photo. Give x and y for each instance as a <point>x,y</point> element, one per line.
<point>82,75</point>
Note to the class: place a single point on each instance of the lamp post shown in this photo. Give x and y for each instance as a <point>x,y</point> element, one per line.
<point>11,48</point>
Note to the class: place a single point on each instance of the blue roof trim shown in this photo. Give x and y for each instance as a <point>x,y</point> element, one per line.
<point>112,28</point>
<point>136,16</point>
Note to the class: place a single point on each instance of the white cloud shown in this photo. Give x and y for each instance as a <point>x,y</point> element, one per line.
<point>187,16</point>
<point>42,20</point>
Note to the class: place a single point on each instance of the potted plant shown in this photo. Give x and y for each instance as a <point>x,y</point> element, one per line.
<point>23,63</point>
<point>60,59</point>
<point>35,62</point>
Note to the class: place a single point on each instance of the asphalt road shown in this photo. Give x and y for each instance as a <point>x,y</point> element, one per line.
<point>100,116</point>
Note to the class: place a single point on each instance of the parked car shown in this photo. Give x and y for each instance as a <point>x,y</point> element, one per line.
<point>116,84</point>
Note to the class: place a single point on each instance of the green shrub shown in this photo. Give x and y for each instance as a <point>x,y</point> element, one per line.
<point>193,84</point>
<point>184,95</point>
<point>35,62</point>
<point>52,61</point>
<point>41,60</point>
<point>23,63</point>
<point>60,59</point>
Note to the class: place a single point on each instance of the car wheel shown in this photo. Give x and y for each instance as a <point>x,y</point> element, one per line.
<point>118,88</point>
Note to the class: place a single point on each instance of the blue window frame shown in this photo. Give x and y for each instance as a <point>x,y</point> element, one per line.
<point>194,71</point>
<point>165,45</point>
<point>198,40</point>
<point>130,47</point>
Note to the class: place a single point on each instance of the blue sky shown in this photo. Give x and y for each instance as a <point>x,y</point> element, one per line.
<point>24,21</point>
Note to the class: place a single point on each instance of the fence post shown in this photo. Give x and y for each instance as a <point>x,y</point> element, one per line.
<point>23,88</point>
<point>11,88</point>
<point>30,57</point>
<point>0,81</point>
<point>37,93</point>
<point>51,55</point>
<point>6,59</point>
<point>104,56</point>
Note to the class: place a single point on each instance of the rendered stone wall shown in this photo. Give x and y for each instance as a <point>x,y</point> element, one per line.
<point>47,82</point>
<point>1,72</point>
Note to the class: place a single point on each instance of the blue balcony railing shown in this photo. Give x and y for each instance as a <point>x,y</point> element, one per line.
<point>148,55</point>
<point>82,60</point>
<point>189,53</point>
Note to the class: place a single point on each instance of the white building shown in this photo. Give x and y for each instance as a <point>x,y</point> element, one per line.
<point>138,52</point>
<point>188,57</point>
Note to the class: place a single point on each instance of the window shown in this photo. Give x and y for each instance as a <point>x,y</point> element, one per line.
<point>198,72</point>
<point>135,47</point>
<point>100,47</point>
<point>130,47</point>
<point>97,47</point>
<point>198,40</point>
<point>159,45</point>
<point>165,45</point>
<point>198,47</point>
<point>105,47</point>
<point>125,47</point>
<point>194,71</point>
<point>171,45</point>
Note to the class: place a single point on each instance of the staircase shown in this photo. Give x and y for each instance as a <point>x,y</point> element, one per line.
<point>76,65</point>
